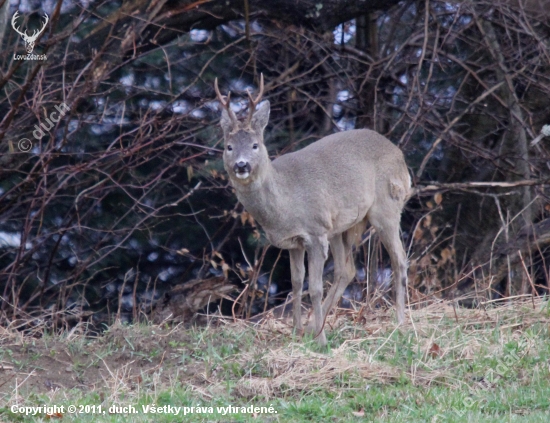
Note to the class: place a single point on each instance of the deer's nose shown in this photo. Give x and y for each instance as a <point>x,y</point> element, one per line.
<point>241,167</point>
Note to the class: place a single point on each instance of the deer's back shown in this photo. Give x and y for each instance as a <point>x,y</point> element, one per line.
<point>354,159</point>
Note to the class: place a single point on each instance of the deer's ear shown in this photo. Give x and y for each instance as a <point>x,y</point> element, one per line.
<point>226,122</point>
<point>260,118</point>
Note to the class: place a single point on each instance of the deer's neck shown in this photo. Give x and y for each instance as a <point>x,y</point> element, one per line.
<point>262,198</point>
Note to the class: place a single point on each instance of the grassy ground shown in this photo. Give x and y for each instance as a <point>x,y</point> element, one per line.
<point>446,365</point>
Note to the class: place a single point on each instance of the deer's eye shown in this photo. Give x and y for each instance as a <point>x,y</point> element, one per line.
<point>229,148</point>
<point>255,146</point>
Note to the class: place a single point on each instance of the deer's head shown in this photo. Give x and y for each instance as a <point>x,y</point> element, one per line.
<point>244,152</point>
<point>29,39</point>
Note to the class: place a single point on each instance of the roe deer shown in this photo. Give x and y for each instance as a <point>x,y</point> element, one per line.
<point>321,195</point>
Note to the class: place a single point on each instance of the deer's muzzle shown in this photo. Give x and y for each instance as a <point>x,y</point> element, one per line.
<point>242,169</point>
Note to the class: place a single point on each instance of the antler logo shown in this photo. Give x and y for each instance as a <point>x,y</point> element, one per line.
<point>29,39</point>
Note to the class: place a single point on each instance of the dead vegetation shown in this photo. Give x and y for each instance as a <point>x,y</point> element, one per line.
<point>263,359</point>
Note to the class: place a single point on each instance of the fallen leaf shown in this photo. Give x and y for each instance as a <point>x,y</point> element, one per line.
<point>435,351</point>
<point>446,255</point>
<point>360,413</point>
<point>427,221</point>
<point>250,220</point>
<point>225,269</point>
<point>418,234</point>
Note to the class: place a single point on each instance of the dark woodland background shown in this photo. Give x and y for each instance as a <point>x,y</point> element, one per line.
<point>125,198</point>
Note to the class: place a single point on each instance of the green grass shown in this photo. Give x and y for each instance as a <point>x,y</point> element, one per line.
<point>490,366</point>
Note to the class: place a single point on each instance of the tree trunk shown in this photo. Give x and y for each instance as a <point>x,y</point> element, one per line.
<point>4,9</point>
<point>367,41</point>
<point>514,146</point>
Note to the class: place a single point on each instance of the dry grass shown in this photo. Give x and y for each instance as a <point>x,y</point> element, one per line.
<point>294,369</point>
<point>249,360</point>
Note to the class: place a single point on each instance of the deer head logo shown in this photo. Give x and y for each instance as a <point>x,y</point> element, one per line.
<point>29,39</point>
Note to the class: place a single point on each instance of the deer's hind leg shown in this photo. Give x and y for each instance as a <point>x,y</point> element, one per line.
<point>386,220</point>
<point>341,246</point>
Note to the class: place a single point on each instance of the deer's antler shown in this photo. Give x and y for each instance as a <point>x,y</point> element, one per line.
<point>37,32</point>
<point>13,23</point>
<point>29,39</point>
<point>254,102</point>
<point>225,103</point>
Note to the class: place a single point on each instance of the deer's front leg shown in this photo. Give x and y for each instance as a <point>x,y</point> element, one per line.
<point>297,273</point>
<point>317,253</point>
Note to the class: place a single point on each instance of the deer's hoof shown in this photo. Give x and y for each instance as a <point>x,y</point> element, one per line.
<point>319,337</point>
